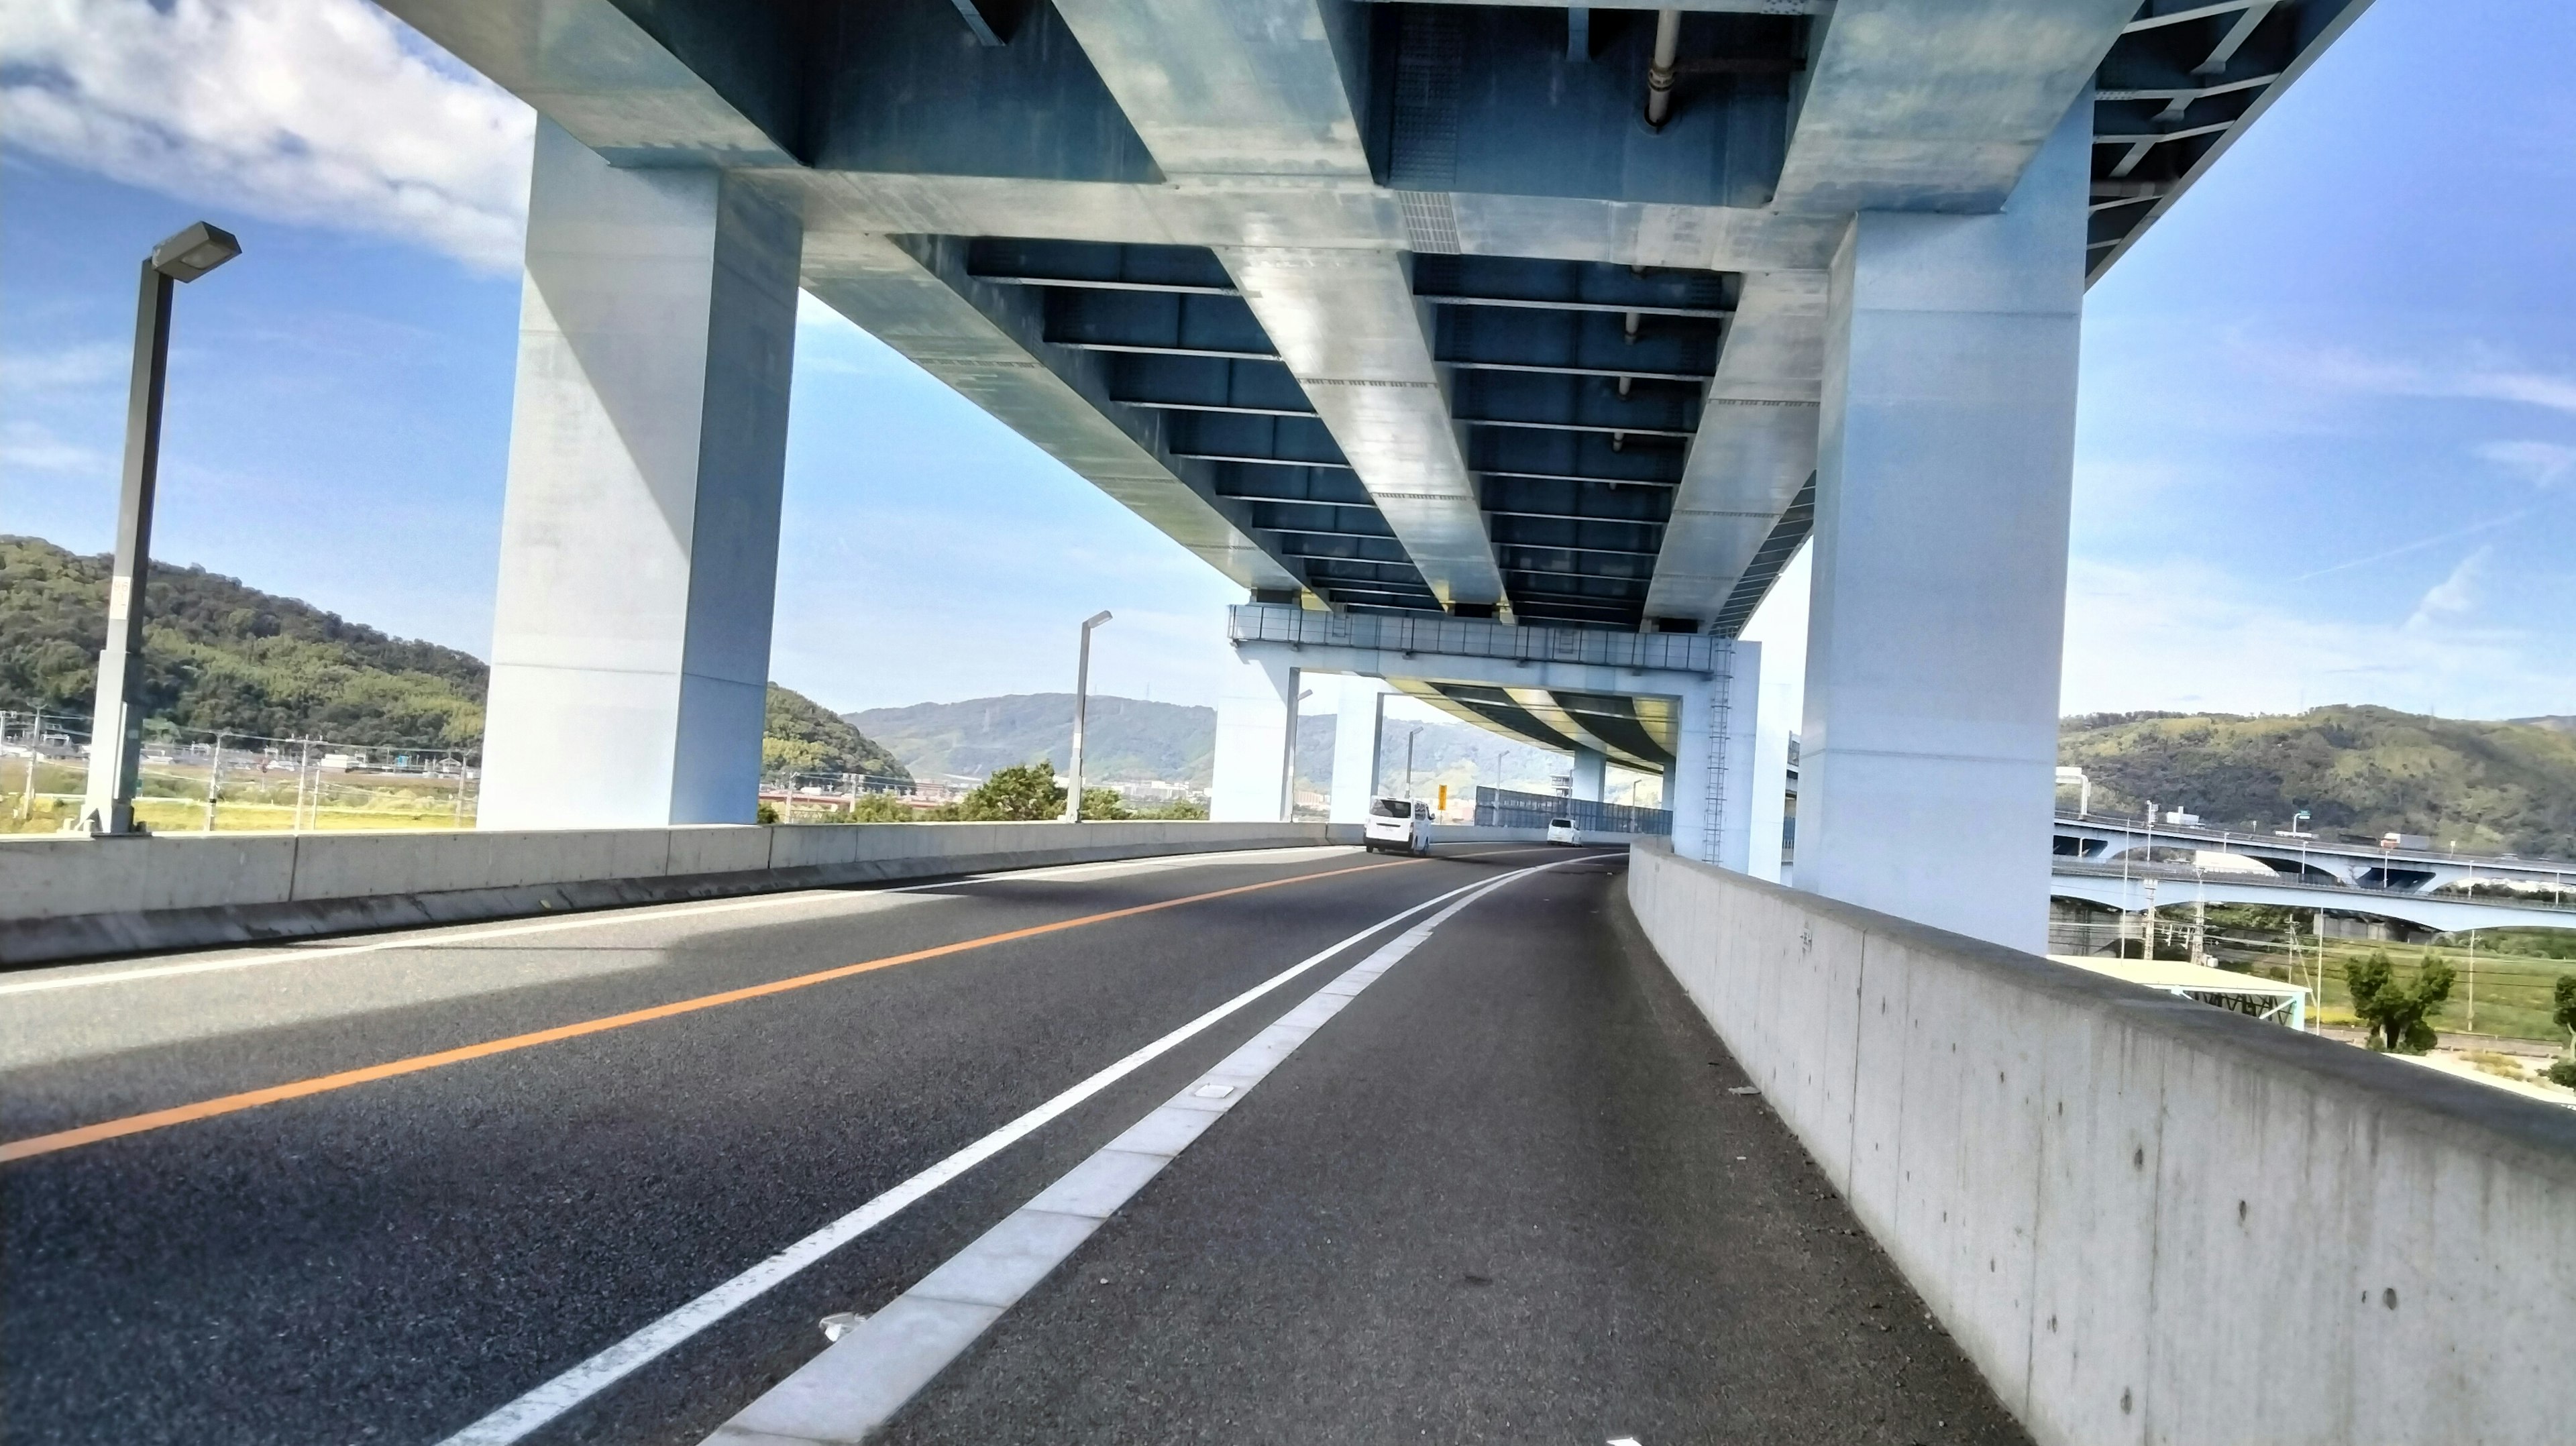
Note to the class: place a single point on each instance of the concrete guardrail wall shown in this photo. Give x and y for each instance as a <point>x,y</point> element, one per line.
<point>74,898</point>
<point>2148,1220</point>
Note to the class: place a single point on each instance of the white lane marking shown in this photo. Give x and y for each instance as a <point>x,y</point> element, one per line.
<point>638,914</point>
<point>543,1404</point>
<point>438,940</point>
<point>1623,1441</point>
<point>864,1377</point>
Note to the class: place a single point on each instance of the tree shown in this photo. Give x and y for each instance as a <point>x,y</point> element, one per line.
<point>1027,792</point>
<point>2564,1016</point>
<point>1178,809</point>
<point>2395,1012</point>
<point>878,808</point>
<point>1100,804</point>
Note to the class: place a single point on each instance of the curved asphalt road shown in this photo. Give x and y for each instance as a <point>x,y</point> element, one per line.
<point>1503,1196</point>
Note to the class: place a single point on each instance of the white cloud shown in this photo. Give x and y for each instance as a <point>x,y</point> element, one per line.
<point>2481,379</point>
<point>2543,464</point>
<point>316,112</point>
<point>73,368</point>
<point>2186,636</point>
<point>31,447</point>
<point>2455,597</point>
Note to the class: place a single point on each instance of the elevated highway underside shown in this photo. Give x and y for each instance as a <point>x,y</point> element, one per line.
<point>1561,317</point>
<point>1507,1192</point>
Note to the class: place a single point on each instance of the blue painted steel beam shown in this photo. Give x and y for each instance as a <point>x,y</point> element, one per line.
<point>1590,342</point>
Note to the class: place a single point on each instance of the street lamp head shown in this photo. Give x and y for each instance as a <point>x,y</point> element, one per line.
<point>1096,619</point>
<point>194,252</point>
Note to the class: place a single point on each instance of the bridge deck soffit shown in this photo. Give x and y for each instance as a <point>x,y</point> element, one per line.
<point>1387,445</point>
<point>921,300</point>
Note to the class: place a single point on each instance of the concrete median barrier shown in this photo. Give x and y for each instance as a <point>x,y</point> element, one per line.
<point>2145,1219</point>
<point>78,898</point>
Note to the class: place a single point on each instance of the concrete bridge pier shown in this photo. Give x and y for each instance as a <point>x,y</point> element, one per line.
<point>1945,461</point>
<point>1586,780</point>
<point>1358,745</point>
<point>639,540</point>
<point>1686,703</point>
<point>1256,738</point>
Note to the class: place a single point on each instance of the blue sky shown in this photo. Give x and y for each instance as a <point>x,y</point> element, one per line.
<point>2327,449</point>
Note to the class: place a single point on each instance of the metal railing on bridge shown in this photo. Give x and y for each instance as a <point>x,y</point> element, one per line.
<point>1505,808</point>
<point>1470,638</point>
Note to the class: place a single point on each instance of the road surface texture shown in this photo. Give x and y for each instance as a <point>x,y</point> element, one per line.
<point>1504,1195</point>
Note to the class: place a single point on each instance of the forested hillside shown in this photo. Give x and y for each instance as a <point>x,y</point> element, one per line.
<point>218,654</point>
<point>1124,738</point>
<point>2361,770</point>
<point>1129,738</point>
<point>805,737</point>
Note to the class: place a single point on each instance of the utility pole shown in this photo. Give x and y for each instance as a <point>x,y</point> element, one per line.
<point>303,769</point>
<point>2473,981</point>
<point>116,723</point>
<point>1408,760</point>
<point>1082,704</point>
<point>35,755</point>
<point>459,819</point>
<point>2320,926</point>
<point>214,780</point>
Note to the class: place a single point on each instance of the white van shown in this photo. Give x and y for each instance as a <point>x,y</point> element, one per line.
<point>1398,826</point>
<point>1563,831</point>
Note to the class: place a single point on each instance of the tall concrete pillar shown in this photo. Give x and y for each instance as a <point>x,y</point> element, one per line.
<point>639,540</point>
<point>1356,731</point>
<point>1780,626</point>
<point>1585,779</point>
<point>1946,458</point>
<point>1710,786</point>
<point>1255,736</point>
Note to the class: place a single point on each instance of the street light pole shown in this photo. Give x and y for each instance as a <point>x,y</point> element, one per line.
<point>116,724</point>
<point>1081,706</point>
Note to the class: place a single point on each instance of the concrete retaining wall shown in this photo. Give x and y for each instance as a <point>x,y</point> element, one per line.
<point>2147,1220</point>
<point>76,898</point>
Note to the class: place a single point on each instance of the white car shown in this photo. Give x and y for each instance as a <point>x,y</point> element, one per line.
<point>1563,831</point>
<point>1398,826</point>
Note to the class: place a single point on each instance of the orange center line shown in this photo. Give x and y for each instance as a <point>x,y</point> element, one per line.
<point>323,1084</point>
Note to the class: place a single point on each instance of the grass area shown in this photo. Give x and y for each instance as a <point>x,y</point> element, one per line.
<point>2512,991</point>
<point>173,800</point>
<point>2502,1066</point>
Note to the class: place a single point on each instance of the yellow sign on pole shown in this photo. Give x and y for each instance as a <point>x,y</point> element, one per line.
<point>1444,798</point>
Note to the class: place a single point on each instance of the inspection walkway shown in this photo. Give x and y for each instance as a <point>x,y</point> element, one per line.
<point>534,1181</point>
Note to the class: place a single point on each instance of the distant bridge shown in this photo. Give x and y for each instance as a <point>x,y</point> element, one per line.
<point>2095,839</point>
<point>2127,890</point>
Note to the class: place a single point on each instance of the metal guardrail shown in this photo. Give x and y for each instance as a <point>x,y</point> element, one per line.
<point>2238,840</point>
<point>2184,873</point>
<point>1506,808</point>
<point>1472,638</point>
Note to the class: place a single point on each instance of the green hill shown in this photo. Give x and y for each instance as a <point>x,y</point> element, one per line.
<point>1132,739</point>
<point>1126,738</point>
<point>2497,787</point>
<point>804,737</point>
<point>218,654</point>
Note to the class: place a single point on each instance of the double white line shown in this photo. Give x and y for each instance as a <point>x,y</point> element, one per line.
<point>874,1368</point>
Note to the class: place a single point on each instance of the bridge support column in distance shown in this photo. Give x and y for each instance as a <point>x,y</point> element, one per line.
<point>1710,786</point>
<point>1584,782</point>
<point>639,539</point>
<point>1255,736</point>
<point>1946,456</point>
<point>1357,731</point>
